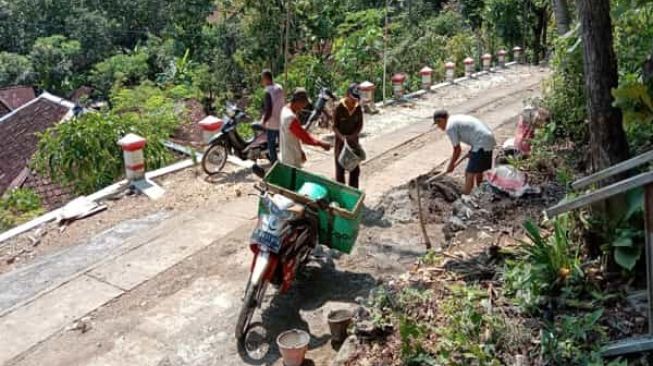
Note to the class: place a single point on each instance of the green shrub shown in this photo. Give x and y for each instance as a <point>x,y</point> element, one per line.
<point>308,72</point>
<point>623,237</point>
<point>18,206</point>
<point>575,340</point>
<point>473,335</point>
<point>635,99</point>
<point>546,265</point>
<point>564,92</point>
<point>84,153</point>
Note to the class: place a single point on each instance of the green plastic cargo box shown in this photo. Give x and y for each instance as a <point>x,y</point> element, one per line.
<point>338,226</point>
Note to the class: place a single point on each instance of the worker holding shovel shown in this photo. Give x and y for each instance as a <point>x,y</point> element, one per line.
<point>473,132</point>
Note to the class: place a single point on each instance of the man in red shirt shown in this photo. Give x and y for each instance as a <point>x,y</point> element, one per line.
<point>293,134</point>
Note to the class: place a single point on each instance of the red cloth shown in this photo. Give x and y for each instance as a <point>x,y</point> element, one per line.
<point>523,136</point>
<point>303,136</point>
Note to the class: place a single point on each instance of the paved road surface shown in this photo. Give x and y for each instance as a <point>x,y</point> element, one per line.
<point>171,294</point>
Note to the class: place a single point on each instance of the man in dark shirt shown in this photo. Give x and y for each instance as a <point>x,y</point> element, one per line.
<point>347,126</point>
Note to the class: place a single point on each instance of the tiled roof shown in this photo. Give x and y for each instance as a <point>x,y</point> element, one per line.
<point>52,195</point>
<point>83,92</point>
<point>15,96</point>
<point>188,133</point>
<point>4,110</point>
<point>18,129</point>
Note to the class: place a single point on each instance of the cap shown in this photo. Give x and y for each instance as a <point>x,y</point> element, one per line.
<point>440,113</point>
<point>354,91</point>
<point>299,95</point>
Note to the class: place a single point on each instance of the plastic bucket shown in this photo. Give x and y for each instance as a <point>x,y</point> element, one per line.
<point>293,345</point>
<point>339,321</point>
<point>313,191</point>
<point>348,158</point>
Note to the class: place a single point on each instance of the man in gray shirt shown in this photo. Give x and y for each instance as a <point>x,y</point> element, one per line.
<point>470,131</point>
<point>272,104</point>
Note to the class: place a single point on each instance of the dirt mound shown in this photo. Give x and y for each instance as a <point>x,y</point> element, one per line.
<point>399,206</point>
<point>486,209</point>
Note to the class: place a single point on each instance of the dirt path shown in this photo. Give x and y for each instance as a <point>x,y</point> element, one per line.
<point>185,315</point>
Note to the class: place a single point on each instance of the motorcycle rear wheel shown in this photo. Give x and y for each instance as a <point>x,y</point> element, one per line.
<point>250,303</point>
<point>214,159</point>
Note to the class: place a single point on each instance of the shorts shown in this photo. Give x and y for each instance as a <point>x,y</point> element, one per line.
<point>479,161</point>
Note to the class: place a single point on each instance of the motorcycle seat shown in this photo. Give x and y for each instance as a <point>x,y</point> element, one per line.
<point>257,126</point>
<point>298,210</point>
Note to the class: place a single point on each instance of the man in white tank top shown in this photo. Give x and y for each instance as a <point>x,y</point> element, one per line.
<point>272,106</point>
<point>293,135</point>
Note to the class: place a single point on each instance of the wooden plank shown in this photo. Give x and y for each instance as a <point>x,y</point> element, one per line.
<point>632,345</point>
<point>601,194</point>
<point>613,170</point>
<point>648,226</point>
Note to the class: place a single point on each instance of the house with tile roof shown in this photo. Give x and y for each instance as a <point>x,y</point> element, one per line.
<point>13,97</point>
<point>19,142</point>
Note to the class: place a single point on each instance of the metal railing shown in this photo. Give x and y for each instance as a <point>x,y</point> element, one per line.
<point>645,343</point>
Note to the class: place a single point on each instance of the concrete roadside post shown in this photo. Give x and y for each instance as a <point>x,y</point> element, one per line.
<point>501,56</point>
<point>450,71</point>
<point>132,147</point>
<point>487,61</point>
<point>469,67</point>
<point>398,85</point>
<point>210,126</point>
<point>367,96</point>
<point>426,74</point>
<point>517,53</point>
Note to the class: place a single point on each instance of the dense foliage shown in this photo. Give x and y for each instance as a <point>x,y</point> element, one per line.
<point>18,206</point>
<point>84,153</point>
<point>226,43</point>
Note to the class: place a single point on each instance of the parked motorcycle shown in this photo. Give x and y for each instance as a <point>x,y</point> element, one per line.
<point>284,237</point>
<point>318,111</point>
<point>229,141</point>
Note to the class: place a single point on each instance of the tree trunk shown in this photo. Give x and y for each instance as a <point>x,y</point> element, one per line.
<point>539,28</point>
<point>608,144</point>
<point>561,13</point>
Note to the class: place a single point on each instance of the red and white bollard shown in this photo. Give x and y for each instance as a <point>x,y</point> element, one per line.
<point>367,92</point>
<point>501,56</point>
<point>398,85</point>
<point>487,61</point>
<point>517,52</point>
<point>132,147</point>
<point>426,74</point>
<point>469,66</point>
<point>450,71</point>
<point>210,126</point>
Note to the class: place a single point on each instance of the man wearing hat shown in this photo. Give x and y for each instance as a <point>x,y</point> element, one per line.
<point>473,132</point>
<point>347,126</point>
<point>292,134</point>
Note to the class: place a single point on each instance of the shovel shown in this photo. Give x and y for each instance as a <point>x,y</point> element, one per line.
<point>443,173</point>
<point>422,222</point>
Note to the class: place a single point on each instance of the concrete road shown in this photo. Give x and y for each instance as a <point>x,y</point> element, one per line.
<point>171,294</point>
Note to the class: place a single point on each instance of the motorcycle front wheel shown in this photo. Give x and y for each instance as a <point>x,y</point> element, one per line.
<point>215,158</point>
<point>252,296</point>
